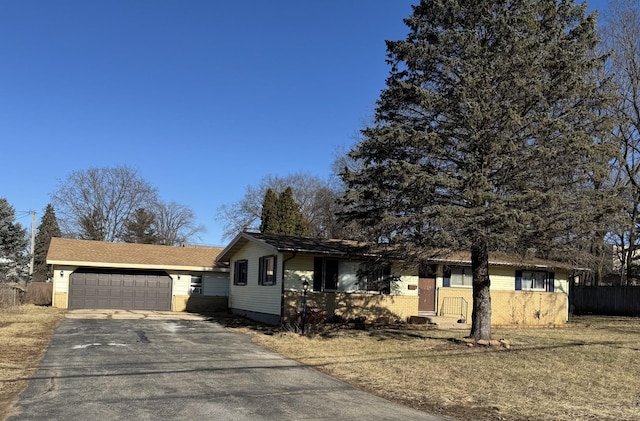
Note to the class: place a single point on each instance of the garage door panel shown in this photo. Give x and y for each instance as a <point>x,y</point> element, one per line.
<point>104,282</point>
<point>143,290</point>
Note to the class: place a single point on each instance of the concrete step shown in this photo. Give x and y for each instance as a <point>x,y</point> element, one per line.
<point>447,322</point>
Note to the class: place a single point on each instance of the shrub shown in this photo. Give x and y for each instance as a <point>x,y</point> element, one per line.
<point>39,293</point>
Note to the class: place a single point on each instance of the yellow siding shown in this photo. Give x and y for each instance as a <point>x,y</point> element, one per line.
<point>254,297</point>
<point>179,302</point>
<point>516,307</point>
<point>60,300</point>
<point>351,305</point>
<point>503,279</point>
<point>60,288</point>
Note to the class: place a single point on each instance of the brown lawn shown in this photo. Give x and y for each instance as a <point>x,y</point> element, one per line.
<point>589,370</point>
<point>25,332</point>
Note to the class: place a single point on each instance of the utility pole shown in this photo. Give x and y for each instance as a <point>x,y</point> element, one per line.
<point>33,240</point>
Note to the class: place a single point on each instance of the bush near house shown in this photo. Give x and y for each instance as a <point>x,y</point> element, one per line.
<point>39,293</point>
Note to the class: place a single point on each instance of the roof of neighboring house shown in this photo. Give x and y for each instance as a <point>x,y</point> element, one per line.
<point>65,251</point>
<point>355,249</point>
<point>283,243</point>
<point>498,259</point>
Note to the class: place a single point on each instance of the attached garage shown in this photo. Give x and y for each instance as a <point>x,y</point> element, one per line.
<point>101,275</point>
<point>116,289</point>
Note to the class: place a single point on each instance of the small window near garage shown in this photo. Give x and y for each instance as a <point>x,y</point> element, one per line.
<point>196,285</point>
<point>267,275</point>
<point>240,272</point>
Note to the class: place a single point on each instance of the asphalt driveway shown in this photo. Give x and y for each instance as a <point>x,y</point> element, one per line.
<point>150,369</point>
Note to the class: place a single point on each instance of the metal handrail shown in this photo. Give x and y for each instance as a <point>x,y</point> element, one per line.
<point>454,306</point>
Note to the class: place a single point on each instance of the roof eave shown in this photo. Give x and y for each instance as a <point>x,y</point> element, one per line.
<point>129,265</point>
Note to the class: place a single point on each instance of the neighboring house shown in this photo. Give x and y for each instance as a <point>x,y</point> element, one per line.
<point>348,279</point>
<point>97,274</point>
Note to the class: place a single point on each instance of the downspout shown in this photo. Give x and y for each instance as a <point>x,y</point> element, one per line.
<point>282,286</point>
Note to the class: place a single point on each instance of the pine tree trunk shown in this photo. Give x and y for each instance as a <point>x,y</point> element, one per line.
<point>481,315</point>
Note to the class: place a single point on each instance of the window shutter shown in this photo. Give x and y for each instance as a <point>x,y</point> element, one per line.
<point>275,270</point>
<point>446,282</point>
<point>551,282</point>
<point>518,280</point>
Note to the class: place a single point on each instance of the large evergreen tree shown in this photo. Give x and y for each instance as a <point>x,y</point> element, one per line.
<point>140,228</point>
<point>47,229</point>
<point>317,200</point>
<point>269,223</point>
<point>488,135</point>
<point>291,221</point>
<point>13,245</point>
<point>281,215</point>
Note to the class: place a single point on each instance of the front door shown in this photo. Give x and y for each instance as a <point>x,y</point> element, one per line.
<point>426,295</point>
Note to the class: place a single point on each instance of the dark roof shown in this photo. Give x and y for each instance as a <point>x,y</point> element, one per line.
<point>284,243</point>
<point>496,259</point>
<point>355,249</point>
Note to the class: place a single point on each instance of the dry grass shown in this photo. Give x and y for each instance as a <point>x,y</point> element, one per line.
<point>25,332</point>
<point>588,371</point>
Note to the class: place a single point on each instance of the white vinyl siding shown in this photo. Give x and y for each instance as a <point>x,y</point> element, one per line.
<point>181,286</point>
<point>407,276</point>
<point>61,277</point>
<point>254,297</point>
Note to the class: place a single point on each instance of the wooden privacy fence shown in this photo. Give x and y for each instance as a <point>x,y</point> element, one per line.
<point>605,300</point>
<point>11,295</point>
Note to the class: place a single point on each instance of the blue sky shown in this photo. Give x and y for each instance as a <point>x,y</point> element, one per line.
<point>203,98</point>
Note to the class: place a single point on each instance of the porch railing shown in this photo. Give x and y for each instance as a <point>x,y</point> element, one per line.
<point>454,306</point>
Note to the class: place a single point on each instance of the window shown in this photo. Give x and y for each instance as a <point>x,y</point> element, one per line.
<point>267,274</point>
<point>377,277</point>
<point>535,280</point>
<point>461,276</point>
<point>240,272</point>
<point>325,274</point>
<point>196,285</point>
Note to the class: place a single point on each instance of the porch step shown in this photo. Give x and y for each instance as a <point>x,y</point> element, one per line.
<point>442,322</point>
<point>427,313</point>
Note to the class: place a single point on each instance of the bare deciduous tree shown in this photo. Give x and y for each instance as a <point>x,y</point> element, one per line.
<point>316,198</point>
<point>174,223</point>
<point>621,39</point>
<point>95,204</point>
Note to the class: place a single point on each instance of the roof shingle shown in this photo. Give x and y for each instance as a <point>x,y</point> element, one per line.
<point>104,254</point>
